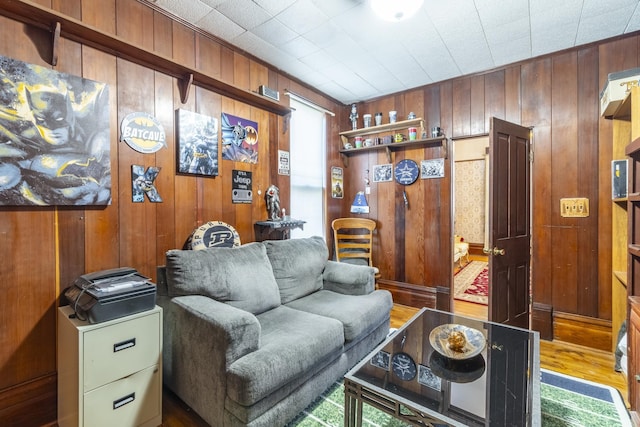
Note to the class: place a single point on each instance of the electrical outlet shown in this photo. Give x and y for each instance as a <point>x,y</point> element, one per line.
<point>574,207</point>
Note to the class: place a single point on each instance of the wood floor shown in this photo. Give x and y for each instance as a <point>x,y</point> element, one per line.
<point>571,359</point>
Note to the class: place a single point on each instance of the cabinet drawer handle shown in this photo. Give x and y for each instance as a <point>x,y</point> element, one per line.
<point>124,345</point>
<point>123,401</point>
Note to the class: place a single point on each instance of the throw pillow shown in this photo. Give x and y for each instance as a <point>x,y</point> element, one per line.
<point>297,265</point>
<point>240,276</point>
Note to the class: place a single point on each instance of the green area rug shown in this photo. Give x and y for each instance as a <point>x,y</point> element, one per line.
<point>565,401</point>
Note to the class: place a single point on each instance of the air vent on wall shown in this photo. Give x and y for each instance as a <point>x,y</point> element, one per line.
<point>268,92</point>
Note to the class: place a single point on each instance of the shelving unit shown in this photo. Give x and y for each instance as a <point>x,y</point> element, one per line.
<point>625,220</point>
<point>621,137</point>
<point>389,128</point>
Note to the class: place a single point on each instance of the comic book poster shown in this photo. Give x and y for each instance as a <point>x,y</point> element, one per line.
<point>239,139</point>
<point>54,137</point>
<point>336,182</point>
<point>197,143</point>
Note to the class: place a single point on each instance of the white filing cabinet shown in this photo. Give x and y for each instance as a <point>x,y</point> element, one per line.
<point>110,373</point>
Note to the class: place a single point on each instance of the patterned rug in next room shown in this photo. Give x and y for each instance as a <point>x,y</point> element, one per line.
<point>472,283</point>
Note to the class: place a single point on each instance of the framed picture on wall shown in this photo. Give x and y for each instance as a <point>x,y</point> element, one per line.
<point>619,179</point>
<point>433,168</point>
<point>197,143</point>
<point>383,173</point>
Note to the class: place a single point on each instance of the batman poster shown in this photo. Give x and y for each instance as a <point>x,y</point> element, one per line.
<point>54,137</point>
<point>239,139</point>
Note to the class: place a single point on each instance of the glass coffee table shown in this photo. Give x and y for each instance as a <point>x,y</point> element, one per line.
<point>445,369</point>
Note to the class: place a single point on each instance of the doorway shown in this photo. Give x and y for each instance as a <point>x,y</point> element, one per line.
<point>508,230</point>
<point>470,221</point>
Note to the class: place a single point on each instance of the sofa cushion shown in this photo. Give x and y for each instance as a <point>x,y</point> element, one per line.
<point>297,265</point>
<point>292,343</point>
<point>241,276</point>
<point>359,314</point>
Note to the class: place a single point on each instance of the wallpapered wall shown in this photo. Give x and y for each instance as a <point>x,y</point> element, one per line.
<point>470,189</point>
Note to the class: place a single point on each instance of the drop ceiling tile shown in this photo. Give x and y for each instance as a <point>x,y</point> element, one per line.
<point>245,13</point>
<point>634,21</point>
<point>338,92</point>
<point>496,13</point>
<point>324,35</point>
<point>302,16</point>
<point>299,47</point>
<point>510,51</point>
<point>220,26</point>
<point>250,42</point>
<point>212,3</point>
<point>344,49</point>
<point>315,78</point>
<point>191,11</point>
<point>456,14</point>
<point>333,8</point>
<point>593,8</point>
<point>274,6</point>
<point>514,29</point>
<point>318,60</point>
<point>591,29</point>
<point>274,32</point>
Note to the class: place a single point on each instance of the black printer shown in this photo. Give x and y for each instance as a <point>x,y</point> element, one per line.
<point>109,294</point>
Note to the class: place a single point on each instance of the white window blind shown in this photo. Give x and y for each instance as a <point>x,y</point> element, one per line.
<point>308,154</point>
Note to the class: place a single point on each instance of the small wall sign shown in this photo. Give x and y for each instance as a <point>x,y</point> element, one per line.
<point>241,187</point>
<point>143,132</point>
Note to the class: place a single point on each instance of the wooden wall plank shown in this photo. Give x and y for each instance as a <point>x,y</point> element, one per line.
<point>494,99</point>
<point>535,86</point>
<point>28,248</point>
<point>72,221</point>
<point>477,107</point>
<point>596,299</point>
<point>564,158</point>
<point>512,95</point>
<point>186,190</point>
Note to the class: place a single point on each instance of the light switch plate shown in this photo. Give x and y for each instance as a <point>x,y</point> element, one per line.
<point>574,207</point>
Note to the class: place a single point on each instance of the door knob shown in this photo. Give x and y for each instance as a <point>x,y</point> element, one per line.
<point>486,251</point>
<point>497,251</point>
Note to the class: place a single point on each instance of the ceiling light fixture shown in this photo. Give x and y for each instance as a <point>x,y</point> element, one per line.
<point>395,10</point>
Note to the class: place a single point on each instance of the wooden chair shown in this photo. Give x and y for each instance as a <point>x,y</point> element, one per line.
<point>353,240</point>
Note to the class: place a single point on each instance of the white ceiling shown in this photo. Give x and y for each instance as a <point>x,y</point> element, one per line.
<point>341,48</point>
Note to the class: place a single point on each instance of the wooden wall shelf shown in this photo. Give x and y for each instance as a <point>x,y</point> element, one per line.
<point>388,127</point>
<point>395,146</point>
<point>64,26</point>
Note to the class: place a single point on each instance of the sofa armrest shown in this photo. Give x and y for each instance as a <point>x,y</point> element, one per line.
<point>349,279</point>
<point>202,338</point>
<point>215,329</point>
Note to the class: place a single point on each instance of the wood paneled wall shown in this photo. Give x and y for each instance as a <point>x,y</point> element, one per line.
<point>558,97</point>
<point>45,249</point>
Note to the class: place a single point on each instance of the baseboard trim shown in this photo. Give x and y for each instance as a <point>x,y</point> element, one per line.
<point>412,295</point>
<point>542,320</point>
<point>582,330</point>
<point>31,403</point>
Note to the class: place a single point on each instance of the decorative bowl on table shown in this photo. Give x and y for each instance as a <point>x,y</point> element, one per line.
<point>457,341</point>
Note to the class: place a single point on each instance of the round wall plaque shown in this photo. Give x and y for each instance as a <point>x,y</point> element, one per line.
<point>143,132</point>
<point>214,234</point>
<point>406,172</point>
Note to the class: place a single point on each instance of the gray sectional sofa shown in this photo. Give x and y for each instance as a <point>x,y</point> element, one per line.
<point>254,334</point>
